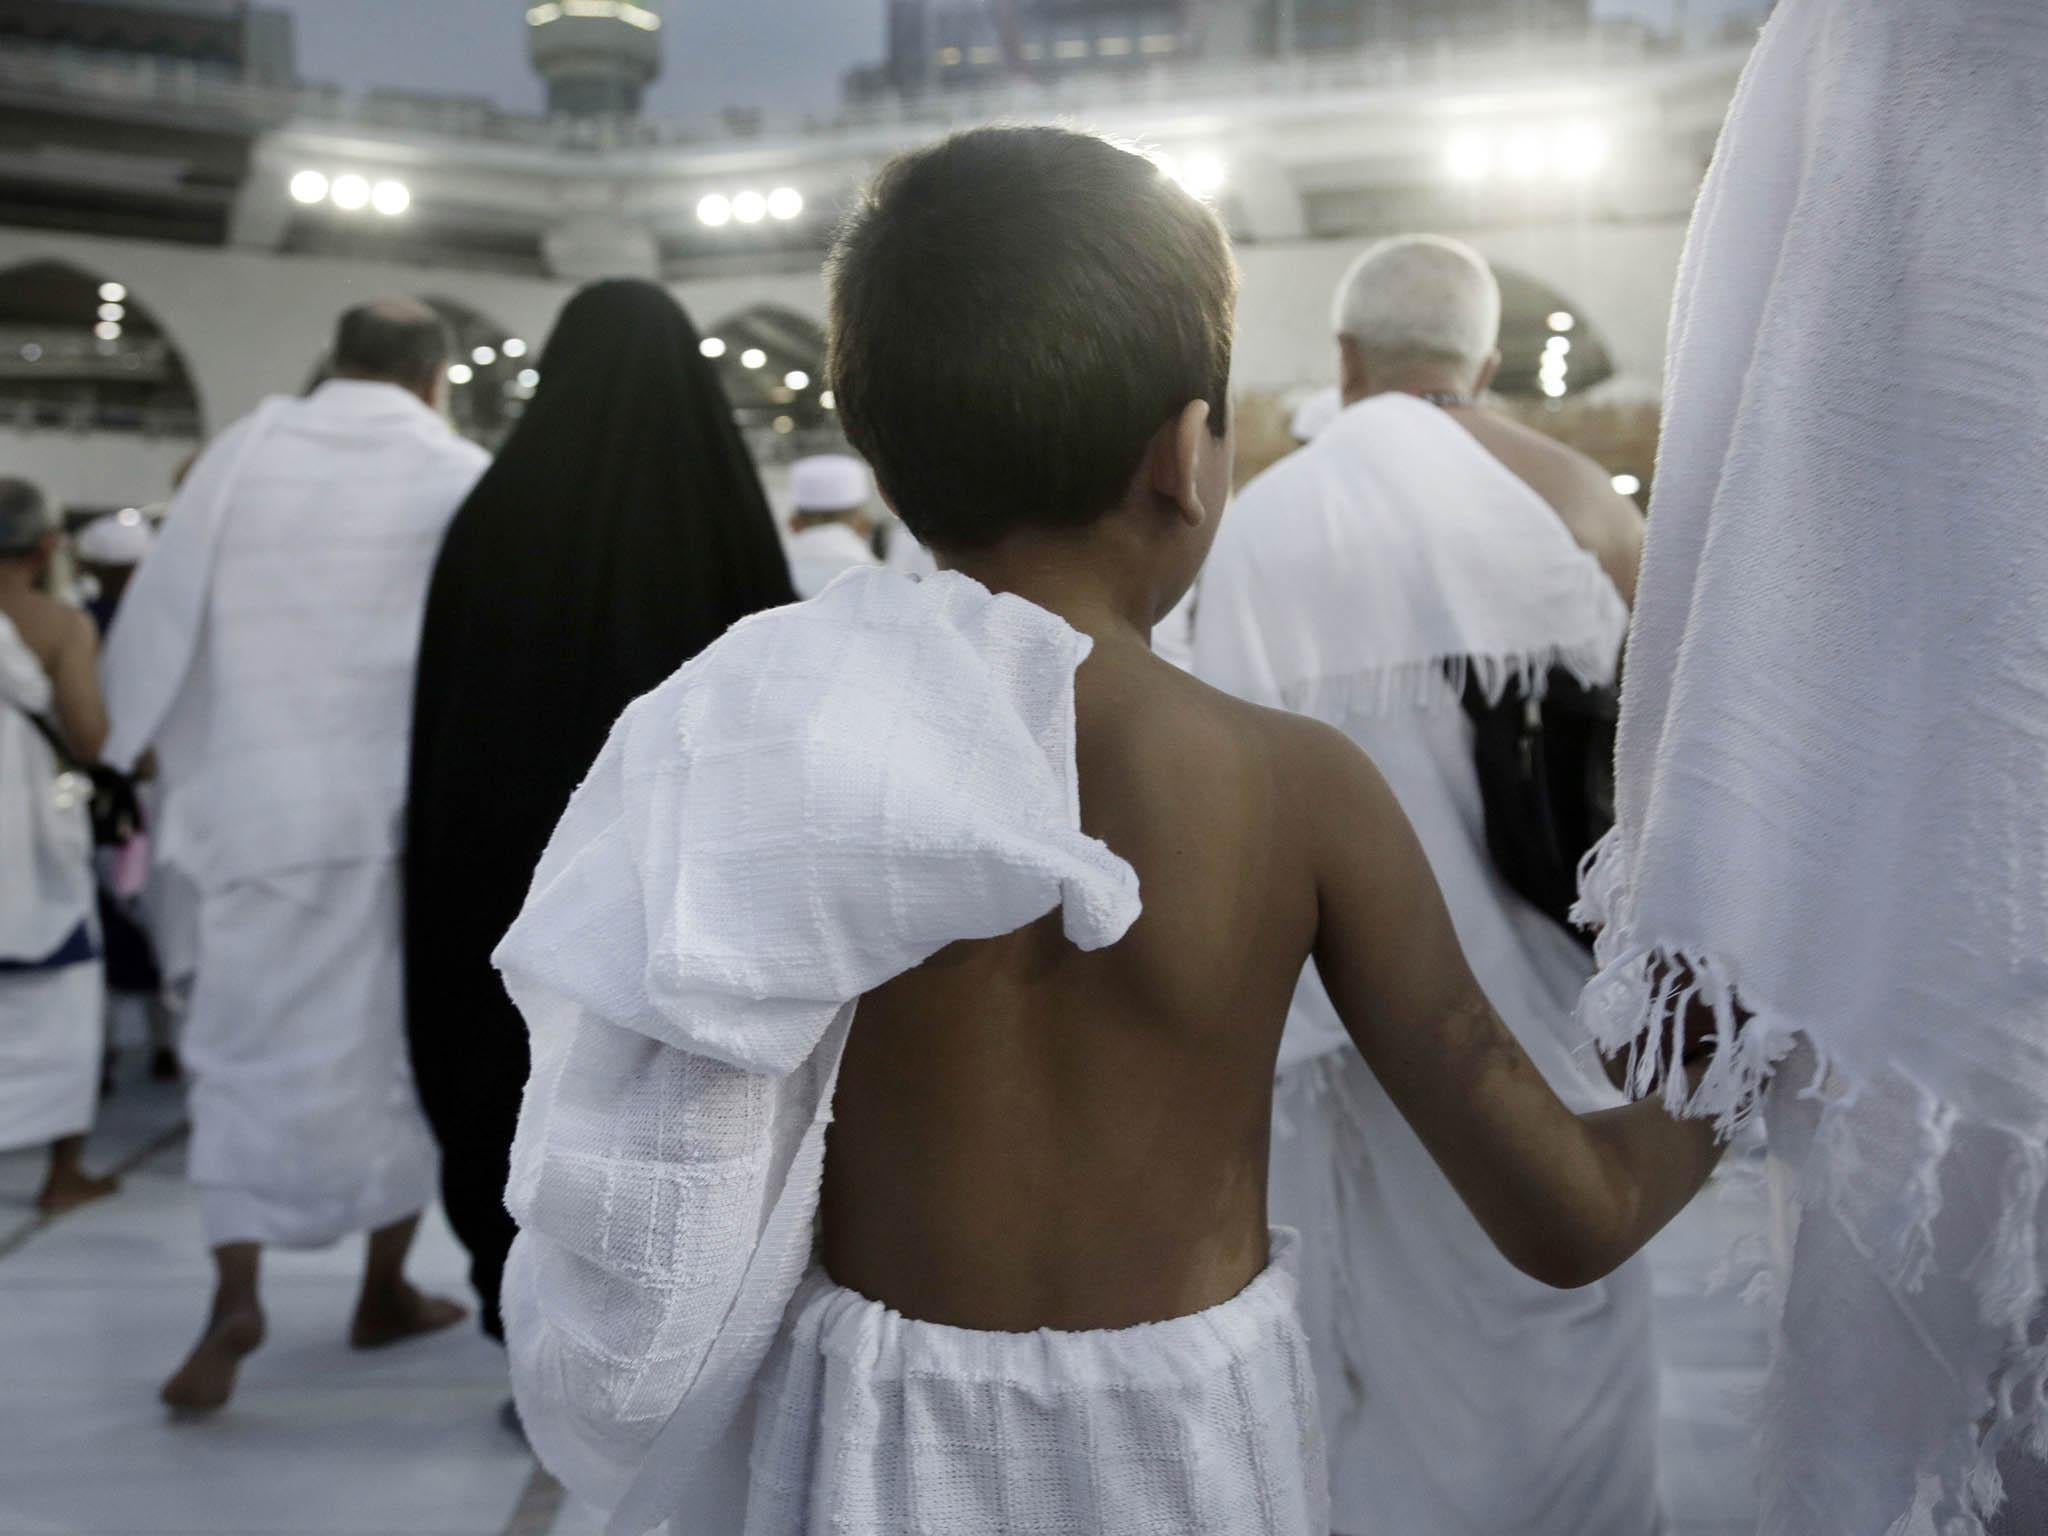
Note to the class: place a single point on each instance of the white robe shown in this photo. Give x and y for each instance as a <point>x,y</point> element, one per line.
<point>51,1025</point>
<point>1461,1398</point>
<point>818,554</point>
<point>267,649</point>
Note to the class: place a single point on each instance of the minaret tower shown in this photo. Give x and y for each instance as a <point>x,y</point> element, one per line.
<point>597,56</point>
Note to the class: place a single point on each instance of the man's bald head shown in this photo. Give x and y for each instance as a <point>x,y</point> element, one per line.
<point>392,341</point>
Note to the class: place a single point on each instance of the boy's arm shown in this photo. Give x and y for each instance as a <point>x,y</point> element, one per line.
<point>1566,1198</point>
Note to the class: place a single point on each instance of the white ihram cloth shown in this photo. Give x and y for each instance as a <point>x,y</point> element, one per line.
<point>267,649</point>
<point>819,554</point>
<point>1461,1397</point>
<point>1834,737</point>
<point>50,1020</point>
<point>825,798</point>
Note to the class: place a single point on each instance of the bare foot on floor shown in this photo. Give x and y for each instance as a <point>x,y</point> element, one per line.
<point>207,1378</point>
<point>68,1189</point>
<point>405,1313</point>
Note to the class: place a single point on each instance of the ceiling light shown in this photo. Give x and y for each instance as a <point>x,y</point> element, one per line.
<point>1581,150</point>
<point>785,203</point>
<point>785,425</point>
<point>714,209</point>
<point>1470,158</point>
<point>1552,386</point>
<point>113,312</point>
<point>750,207</point>
<point>828,400</point>
<point>459,373</point>
<point>1557,346</point>
<point>350,193</point>
<point>712,346</point>
<point>1627,485</point>
<point>32,352</point>
<point>753,357</point>
<point>1523,156</point>
<point>391,198</point>
<point>308,187</point>
<point>108,330</point>
<point>483,357</point>
<point>112,293</point>
<point>1204,175</point>
<point>513,347</point>
<point>1561,320</point>
<point>796,378</point>
<point>529,377</point>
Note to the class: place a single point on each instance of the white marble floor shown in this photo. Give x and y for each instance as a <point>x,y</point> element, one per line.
<point>96,1308</point>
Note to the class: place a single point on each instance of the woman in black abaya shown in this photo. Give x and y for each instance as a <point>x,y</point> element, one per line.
<point>621,530</point>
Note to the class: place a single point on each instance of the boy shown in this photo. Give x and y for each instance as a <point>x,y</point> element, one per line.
<point>910,822</point>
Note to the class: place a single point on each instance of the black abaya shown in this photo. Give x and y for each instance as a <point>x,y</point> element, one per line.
<point>621,530</point>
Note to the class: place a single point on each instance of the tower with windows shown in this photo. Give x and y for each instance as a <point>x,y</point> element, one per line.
<point>597,56</point>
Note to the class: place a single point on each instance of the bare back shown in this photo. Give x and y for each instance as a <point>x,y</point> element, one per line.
<point>65,642</point>
<point>1027,1135</point>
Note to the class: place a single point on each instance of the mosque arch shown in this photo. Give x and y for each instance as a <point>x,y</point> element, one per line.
<point>80,353</point>
<point>1550,347</point>
<point>782,403</point>
<point>491,377</point>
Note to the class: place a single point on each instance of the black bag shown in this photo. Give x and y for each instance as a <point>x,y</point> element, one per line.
<point>115,810</point>
<point>1546,778</point>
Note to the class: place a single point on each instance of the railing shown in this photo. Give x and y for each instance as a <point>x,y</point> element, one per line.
<point>124,85</point>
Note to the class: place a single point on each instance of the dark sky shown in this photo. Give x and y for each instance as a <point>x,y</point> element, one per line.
<point>786,55</point>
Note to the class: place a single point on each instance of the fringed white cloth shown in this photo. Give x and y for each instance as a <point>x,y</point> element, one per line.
<point>1355,575</point>
<point>873,1424</point>
<point>823,799</point>
<point>1834,737</point>
<point>1355,580</point>
<point>45,836</point>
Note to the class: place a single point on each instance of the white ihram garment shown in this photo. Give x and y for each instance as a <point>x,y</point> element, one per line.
<point>267,649</point>
<point>1461,1397</point>
<point>818,554</point>
<point>51,1021</point>
<point>825,798</point>
<point>1832,774</point>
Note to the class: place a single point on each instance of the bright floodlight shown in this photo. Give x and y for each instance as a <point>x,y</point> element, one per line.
<point>1561,320</point>
<point>828,400</point>
<point>1204,175</point>
<point>529,377</point>
<point>1553,386</point>
<point>1524,156</point>
<point>112,293</point>
<point>391,198</point>
<point>1557,345</point>
<point>1581,150</point>
<point>750,207</point>
<point>113,312</point>
<point>1471,157</point>
<point>796,378</point>
<point>1627,485</point>
<point>712,346</point>
<point>350,193</point>
<point>753,357</point>
<point>785,203</point>
<point>483,357</point>
<point>513,347</point>
<point>308,187</point>
<point>459,373</point>
<point>714,209</point>
<point>108,330</point>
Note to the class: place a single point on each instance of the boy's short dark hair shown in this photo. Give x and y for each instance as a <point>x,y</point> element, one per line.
<point>390,339</point>
<point>1015,313</point>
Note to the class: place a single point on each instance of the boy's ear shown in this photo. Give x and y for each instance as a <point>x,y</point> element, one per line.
<point>1176,461</point>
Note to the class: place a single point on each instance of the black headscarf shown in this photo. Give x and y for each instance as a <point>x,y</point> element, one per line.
<point>621,530</point>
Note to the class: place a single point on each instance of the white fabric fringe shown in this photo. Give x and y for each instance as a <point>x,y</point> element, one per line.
<point>1831,766</point>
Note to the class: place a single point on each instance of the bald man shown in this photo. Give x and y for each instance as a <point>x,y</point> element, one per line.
<point>266,650</point>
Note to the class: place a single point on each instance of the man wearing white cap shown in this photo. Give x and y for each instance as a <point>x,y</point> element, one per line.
<point>832,524</point>
<point>109,550</point>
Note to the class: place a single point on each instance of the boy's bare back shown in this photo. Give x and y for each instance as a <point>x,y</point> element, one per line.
<point>1027,1135</point>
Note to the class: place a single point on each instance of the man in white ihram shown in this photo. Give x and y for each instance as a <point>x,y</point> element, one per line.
<point>1415,537</point>
<point>832,524</point>
<point>267,651</point>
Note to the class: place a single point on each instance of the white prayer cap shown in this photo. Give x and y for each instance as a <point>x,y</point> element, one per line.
<point>830,482</point>
<point>1315,413</point>
<point>123,539</point>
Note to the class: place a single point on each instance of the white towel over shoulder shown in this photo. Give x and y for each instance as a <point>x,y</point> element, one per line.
<point>823,799</point>
<point>1833,767</point>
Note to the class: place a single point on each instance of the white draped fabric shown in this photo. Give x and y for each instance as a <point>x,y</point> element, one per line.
<point>1832,769</point>
<point>51,1023</point>
<point>697,933</point>
<point>267,651</point>
<point>818,554</point>
<point>1354,581</point>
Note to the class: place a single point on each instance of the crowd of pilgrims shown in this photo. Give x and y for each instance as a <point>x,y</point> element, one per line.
<point>323,722</point>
